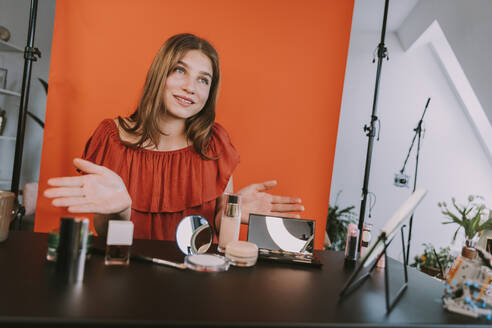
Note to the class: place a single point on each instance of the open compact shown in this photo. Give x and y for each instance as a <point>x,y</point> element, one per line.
<point>194,237</point>
<point>206,263</point>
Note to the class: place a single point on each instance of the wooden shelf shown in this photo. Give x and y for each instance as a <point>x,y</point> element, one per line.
<point>5,46</point>
<point>7,138</point>
<point>9,93</point>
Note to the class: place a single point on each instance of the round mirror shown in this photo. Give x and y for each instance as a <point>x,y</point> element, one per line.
<point>194,235</point>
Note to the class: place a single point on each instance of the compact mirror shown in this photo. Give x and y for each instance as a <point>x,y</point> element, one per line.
<point>194,235</point>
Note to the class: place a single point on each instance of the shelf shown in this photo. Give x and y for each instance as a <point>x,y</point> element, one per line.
<point>9,93</point>
<point>5,46</point>
<point>7,138</point>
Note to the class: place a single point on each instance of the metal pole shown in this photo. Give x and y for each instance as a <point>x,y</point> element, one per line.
<point>418,133</point>
<point>382,53</point>
<point>30,54</point>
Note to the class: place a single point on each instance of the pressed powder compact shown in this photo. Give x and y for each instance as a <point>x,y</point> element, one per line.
<point>242,253</point>
<point>206,263</point>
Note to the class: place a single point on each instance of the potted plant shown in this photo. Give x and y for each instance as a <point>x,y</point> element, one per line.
<point>433,263</point>
<point>336,225</point>
<point>470,217</point>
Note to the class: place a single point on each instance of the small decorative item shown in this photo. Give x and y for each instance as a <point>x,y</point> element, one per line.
<point>3,120</point>
<point>433,263</point>
<point>468,285</point>
<point>4,34</point>
<point>3,78</point>
<point>469,217</point>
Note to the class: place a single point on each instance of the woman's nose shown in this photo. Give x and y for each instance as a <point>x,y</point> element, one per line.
<point>189,86</point>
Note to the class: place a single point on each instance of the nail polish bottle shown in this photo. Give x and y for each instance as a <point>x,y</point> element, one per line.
<point>118,242</point>
<point>230,223</point>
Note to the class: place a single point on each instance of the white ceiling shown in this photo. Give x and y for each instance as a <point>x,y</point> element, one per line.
<point>368,14</point>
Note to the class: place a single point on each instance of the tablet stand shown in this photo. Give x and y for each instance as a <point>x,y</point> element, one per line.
<point>352,283</point>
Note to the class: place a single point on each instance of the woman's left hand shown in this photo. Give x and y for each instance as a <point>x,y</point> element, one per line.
<point>254,199</point>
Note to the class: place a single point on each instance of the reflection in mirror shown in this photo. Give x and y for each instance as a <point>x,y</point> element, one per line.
<point>277,233</point>
<point>194,235</point>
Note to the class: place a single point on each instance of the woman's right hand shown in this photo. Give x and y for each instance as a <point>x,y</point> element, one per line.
<point>100,191</point>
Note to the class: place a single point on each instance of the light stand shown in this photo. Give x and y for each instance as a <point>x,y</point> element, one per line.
<point>418,136</point>
<point>30,54</point>
<point>370,130</point>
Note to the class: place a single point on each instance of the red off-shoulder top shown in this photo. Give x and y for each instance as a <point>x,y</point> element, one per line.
<point>165,186</point>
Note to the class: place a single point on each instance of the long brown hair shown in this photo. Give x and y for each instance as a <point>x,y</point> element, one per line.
<point>144,121</point>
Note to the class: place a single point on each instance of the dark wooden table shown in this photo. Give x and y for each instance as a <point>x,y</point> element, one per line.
<point>268,294</point>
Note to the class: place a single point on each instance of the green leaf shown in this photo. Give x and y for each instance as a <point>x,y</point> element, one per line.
<point>454,236</point>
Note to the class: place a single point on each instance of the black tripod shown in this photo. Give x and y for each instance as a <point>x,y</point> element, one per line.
<point>371,130</point>
<point>30,54</point>
<point>418,136</point>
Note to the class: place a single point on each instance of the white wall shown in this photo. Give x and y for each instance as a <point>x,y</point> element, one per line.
<point>467,26</point>
<point>452,162</point>
<point>15,16</point>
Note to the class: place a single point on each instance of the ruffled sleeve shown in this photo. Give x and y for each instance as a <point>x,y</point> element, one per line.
<point>99,145</point>
<point>165,181</point>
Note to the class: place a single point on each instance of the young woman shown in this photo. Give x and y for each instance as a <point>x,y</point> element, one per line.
<point>169,159</point>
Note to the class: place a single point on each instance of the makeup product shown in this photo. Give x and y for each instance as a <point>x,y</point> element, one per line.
<point>206,263</point>
<point>54,239</point>
<point>351,243</point>
<point>230,223</point>
<point>158,261</point>
<point>71,250</point>
<point>241,253</point>
<point>286,257</point>
<point>118,242</point>
<point>366,239</point>
<point>84,236</point>
<point>281,233</point>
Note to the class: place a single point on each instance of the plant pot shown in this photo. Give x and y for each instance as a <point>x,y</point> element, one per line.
<point>430,271</point>
<point>469,252</point>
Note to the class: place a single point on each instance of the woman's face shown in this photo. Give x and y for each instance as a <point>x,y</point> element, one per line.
<point>188,85</point>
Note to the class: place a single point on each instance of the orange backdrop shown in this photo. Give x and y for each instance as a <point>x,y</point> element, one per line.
<point>283,65</point>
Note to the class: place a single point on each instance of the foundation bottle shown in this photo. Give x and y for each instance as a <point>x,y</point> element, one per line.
<point>230,223</point>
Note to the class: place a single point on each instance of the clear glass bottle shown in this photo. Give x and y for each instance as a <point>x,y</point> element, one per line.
<point>230,222</point>
<point>118,242</point>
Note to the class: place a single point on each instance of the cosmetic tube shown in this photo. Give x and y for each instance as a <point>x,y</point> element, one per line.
<point>72,249</point>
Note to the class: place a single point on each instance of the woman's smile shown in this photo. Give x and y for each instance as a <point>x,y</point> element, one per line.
<point>183,101</point>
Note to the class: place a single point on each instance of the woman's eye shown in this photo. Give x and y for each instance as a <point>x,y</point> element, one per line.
<point>204,81</point>
<point>179,70</point>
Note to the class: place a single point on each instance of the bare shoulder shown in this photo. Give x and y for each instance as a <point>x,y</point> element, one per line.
<point>124,135</point>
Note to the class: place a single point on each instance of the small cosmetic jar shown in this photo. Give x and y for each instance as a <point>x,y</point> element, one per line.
<point>242,253</point>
